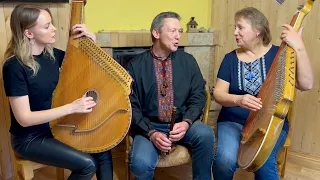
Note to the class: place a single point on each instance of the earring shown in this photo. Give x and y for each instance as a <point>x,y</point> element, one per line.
<point>32,42</point>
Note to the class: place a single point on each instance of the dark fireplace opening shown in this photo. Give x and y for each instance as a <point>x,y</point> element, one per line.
<point>124,55</point>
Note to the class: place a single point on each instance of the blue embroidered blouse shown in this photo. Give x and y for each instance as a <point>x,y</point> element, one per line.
<point>244,78</point>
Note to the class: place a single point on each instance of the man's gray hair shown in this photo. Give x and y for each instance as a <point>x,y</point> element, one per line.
<point>157,22</point>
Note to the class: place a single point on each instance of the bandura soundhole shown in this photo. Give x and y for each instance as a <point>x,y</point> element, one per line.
<point>93,94</point>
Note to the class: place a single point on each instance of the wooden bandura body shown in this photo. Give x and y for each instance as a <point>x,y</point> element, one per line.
<point>88,71</point>
<point>263,127</point>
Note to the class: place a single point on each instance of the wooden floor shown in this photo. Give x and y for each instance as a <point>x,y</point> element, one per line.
<point>295,170</point>
<point>299,167</point>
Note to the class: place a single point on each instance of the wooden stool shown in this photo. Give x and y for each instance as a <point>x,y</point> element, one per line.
<point>24,169</point>
<point>282,157</point>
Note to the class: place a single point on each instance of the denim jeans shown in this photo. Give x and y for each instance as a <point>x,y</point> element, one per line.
<point>199,137</point>
<point>43,148</point>
<point>225,161</point>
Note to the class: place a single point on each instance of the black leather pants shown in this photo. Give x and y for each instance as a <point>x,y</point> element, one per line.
<point>45,149</point>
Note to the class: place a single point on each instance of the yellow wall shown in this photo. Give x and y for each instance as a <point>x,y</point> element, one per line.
<point>138,14</point>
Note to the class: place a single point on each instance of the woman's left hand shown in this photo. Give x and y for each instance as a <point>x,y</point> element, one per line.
<point>82,30</point>
<point>292,38</point>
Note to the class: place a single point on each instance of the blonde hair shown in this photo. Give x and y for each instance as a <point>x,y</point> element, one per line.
<point>257,20</point>
<point>24,17</point>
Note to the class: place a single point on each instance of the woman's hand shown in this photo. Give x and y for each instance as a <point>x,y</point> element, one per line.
<point>305,79</point>
<point>249,102</point>
<point>292,38</point>
<point>81,105</point>
<point>82,30</point>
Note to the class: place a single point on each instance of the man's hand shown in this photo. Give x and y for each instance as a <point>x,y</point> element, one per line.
<point>161,141</point>
<point>178,131</point>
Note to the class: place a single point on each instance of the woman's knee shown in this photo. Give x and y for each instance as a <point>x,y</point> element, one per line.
<point>89,166</point>
<point>225,163</point>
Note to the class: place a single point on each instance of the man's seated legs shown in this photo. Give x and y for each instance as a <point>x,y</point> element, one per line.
<point>200,137</point>
<point>143,158</point>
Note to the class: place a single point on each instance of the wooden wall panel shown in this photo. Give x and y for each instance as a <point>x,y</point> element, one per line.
<point>61,18</point>
<point>4,145</point>
<point>306,114</point>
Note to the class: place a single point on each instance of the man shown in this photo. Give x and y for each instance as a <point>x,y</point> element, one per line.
<point>163,78</point>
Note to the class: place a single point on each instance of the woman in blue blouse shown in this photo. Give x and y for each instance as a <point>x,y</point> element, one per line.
<point>239,80</point>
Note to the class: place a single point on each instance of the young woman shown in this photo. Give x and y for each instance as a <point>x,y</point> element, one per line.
<point>30,75</point>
